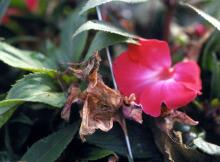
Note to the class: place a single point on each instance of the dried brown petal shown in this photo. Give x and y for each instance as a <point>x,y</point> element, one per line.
<point>131,110</point>
<point>73,96</point>
<point>101,108</point>
<point>166,123</point>
<point>182,118</point>
<point>102,105</point>
<point>82,70</point>
<point>113,158</point>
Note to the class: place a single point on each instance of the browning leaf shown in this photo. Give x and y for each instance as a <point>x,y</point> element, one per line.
<point>166,122</point>
<point>175,150</point>
<point>102,105</point>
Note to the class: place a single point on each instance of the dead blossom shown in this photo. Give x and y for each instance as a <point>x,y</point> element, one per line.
<point>101,104</point>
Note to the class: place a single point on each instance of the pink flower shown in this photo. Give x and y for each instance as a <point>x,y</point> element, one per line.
<point>10,12</point>
<point>32,5</point>
<point>145,70</point>
<point>200,29</point>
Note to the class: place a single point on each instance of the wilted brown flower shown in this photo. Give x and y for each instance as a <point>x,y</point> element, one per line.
<point>102,105</point>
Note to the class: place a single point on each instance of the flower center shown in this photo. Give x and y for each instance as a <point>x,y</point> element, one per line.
<point>166,74</point>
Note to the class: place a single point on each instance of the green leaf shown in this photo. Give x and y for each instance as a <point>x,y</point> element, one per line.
<point>50,148</point>
<point>71,49</point>
<point>26,60</point>
<point>5,105</point>
<point>94,153</point>
<point>4,117</point>
<point>32,88</point>
<point>103,40</point>
<point>207,147</point>
<point>7,108</point>
<point>215,78</point>
<point>93,3</point>
<point>207,17</point>
<point>37,88</point>
<point>3,7</point>
<point>211,47</point>
<point>141,139</point>
<point>22,118</point>
<point>103,26</point>
<point>211,65</point>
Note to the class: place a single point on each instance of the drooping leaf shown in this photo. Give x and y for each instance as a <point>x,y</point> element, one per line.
<point>103,26</point>
<point>37,88</point>
<point>206,147</point>
<point>50,148</point>
<point>93,3</point>
<point>71,48</point>
<point>26,60</point>
<point>3,7</point>
<point>141,139</point>
<point>206,16</point>
<point>103,40</point>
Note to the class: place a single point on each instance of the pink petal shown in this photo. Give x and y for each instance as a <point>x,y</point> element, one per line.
<point>169,92</point>
<point>129,75</point>
<point>145,70</point>
<point>10,12</point>
<point>151,99</point>
<point>188,73</point>
<point>151,53</point>
<point>135,68</point>
<point>177,95</point>
<point>32,5</point>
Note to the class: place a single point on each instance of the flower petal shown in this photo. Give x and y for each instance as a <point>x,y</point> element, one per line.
<point>188,73</point>
<point>131,77</point>
<point>32,5</point>
<point>145,70</point>
<point>151,53</point>
<point>151,99</point>
<point>128,75</point>
<point>169,92</point>
<point>177,95</point>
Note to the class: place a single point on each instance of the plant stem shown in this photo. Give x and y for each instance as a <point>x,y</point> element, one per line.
<point>124,126</point>
<point>170,10</point>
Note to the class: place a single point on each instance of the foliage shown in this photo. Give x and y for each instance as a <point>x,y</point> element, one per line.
<point>40,51</point>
